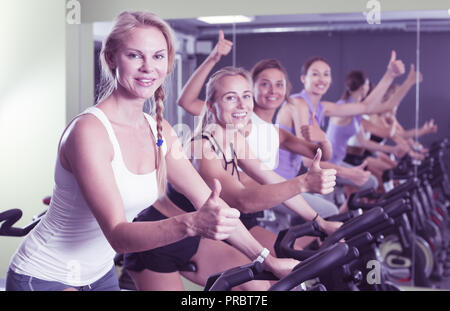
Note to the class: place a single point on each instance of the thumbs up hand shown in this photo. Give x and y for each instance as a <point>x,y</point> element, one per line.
<point>395,67</point>
<point>429,127</point>
<point>356,174</point>
<point>313,133</point>
<point>214,220</point>
<point>222,48</point>
<point>318,180</point>
<point>414,75</point>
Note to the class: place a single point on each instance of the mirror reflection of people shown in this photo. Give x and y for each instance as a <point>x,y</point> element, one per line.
<point>306,112</point>
<point>370,143</point>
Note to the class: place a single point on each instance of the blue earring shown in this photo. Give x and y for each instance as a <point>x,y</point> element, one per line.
<point>159,142</point>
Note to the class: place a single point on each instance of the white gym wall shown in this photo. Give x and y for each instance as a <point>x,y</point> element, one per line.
<point>32,106</point>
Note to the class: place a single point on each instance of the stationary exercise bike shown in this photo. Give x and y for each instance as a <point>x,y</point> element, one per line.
<point>334,265</point>
<point>10,217</point>
<point>418,244</point>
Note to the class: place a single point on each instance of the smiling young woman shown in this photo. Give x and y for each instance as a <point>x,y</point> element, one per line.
<point>111,165</point>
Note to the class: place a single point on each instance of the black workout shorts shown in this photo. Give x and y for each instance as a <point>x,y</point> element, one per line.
<point>163,259</point>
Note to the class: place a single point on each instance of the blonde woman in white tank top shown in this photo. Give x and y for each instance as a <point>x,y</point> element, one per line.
<point>111,164</point>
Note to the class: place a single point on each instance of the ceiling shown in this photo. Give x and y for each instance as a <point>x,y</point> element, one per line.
<point>437,20</point>
<point>404,20</point>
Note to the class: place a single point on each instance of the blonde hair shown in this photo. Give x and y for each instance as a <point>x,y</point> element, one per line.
<point>206,117</point>
<point>125,23</point>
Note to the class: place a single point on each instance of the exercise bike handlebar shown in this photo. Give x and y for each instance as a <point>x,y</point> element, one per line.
<point>284,244</point>
<point>357,225</point>
<point>312,267</point>
<point>235,276</point>
<point>9,218</point>
<point>394,207</point>
<point>400,192</point>
<point>398,207</point>
<point>364,223</point>
<point>343,217</point>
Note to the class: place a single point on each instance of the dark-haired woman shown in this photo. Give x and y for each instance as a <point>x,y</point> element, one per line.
<point>306,113</point>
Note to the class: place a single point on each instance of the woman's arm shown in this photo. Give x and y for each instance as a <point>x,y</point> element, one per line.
<point>377,127</point>
<point>189,96</point>
<point>428,128</point>
<point>248,245</point>
<point>296,113</point>
<point>399,93</point>
<point>370,103</point>
<point>317,180</point>
<point>86,151</point>
<point>313,133</point>
<point>356,174</point>
<point>210,167</point>
<point>300,146</point>
<point>398,150</point>
<point>188,181</point>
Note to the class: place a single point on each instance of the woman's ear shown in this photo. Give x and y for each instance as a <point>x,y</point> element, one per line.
<point>110,60</point>
<point>210,114</point>
<point>209,105</point>
<point>302,79</point>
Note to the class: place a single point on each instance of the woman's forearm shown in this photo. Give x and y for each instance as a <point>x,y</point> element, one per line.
<point>242,239</point>
<point>260,197</point>
<point>305,148</point>
<point>327,150</point>
<point>377,94</point>
<point>378,128</point>
<point>395,99</point>
<point>141,236</point>
<point>373,146</point>
<point>297,145</point>
<point>189,98</point>
<point>412,133</point>
<point>298,205</point>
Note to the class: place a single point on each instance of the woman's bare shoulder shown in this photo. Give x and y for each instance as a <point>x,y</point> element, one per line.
<point>86,132</point>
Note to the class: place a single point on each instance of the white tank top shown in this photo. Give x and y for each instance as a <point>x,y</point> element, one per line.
<point>68,245</point>
<point>264,141</point>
